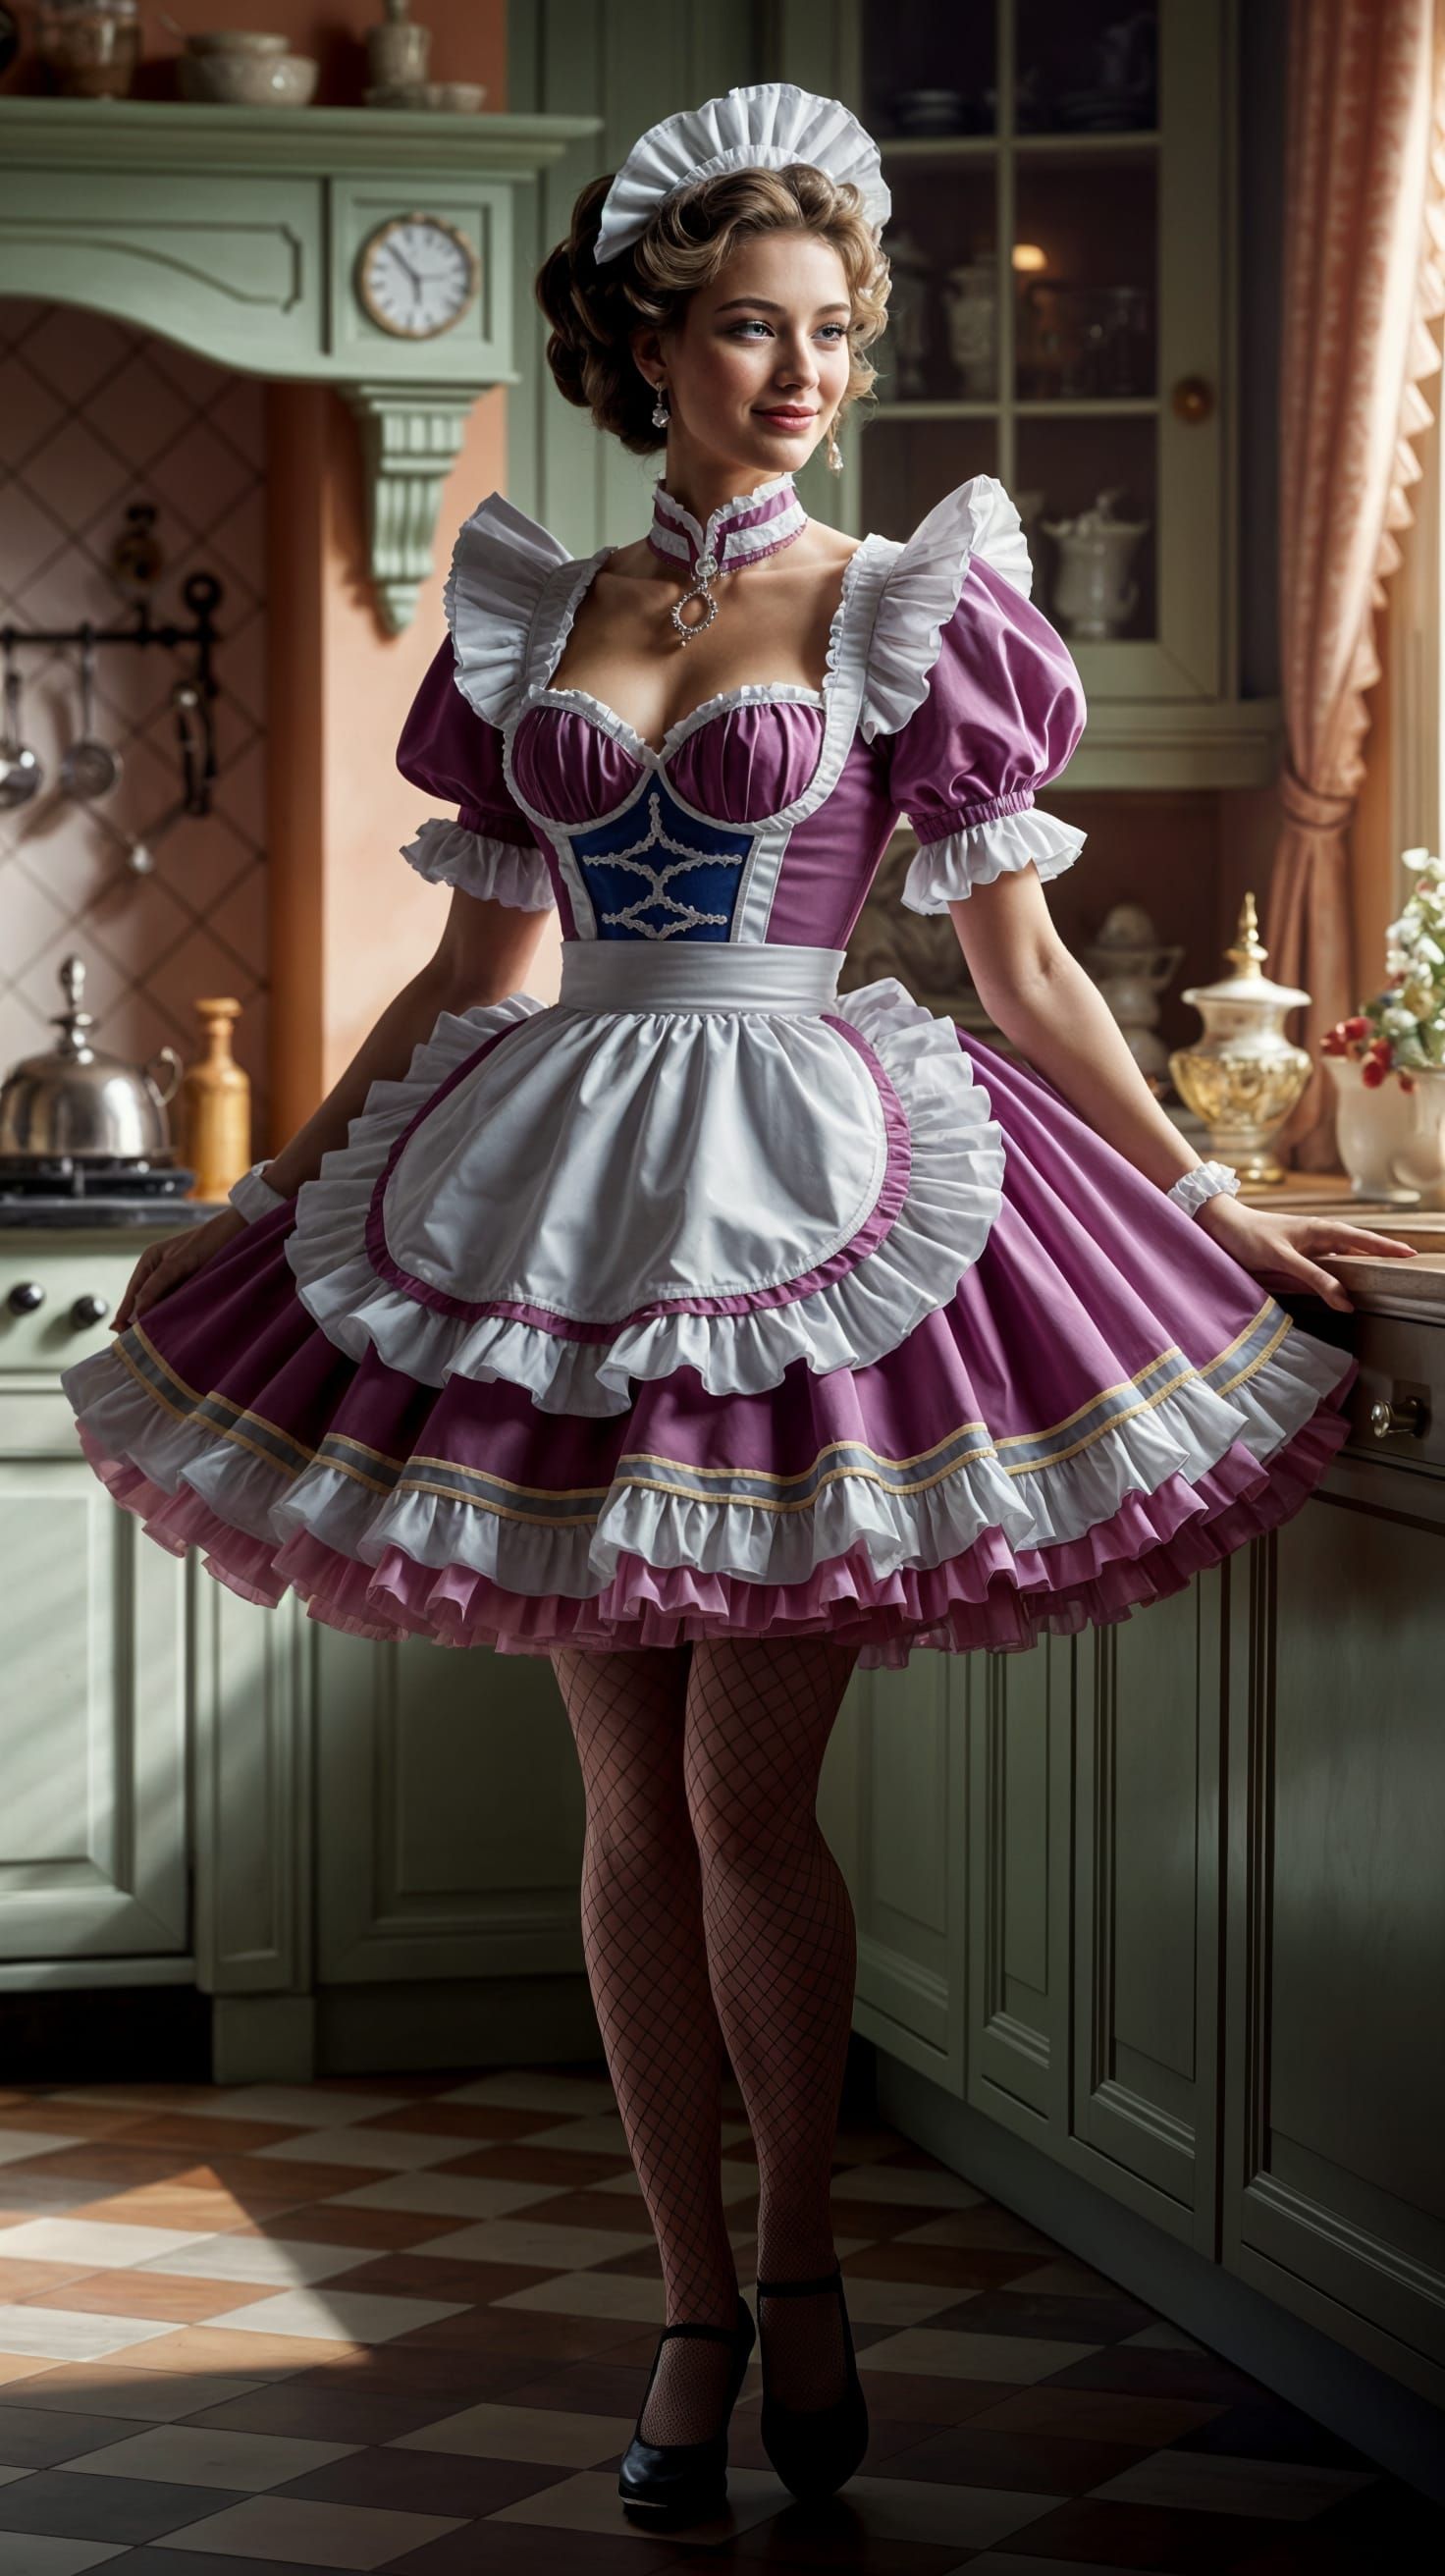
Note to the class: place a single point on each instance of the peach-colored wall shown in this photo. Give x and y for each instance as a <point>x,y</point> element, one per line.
<point>352,919</point>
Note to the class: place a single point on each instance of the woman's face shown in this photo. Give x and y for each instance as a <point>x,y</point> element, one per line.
<point>760,363</point>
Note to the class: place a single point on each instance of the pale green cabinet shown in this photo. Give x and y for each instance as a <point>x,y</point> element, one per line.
<point>893,1808</point>
<point>1145,1908</point>
<point>1187,1938</point>
<point>93,1738</point>
<point>1033,1857</point>
<point>344,1844</point>
<point>451,1815</point>
<point>1065,315</point>
<point>1334,2181</point>
<point>1016,1871</point>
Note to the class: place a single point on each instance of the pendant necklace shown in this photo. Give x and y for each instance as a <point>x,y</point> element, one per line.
<point>739,531</point>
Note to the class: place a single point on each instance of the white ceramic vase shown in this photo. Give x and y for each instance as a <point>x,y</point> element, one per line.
<point>1372,1127</point>
<point>1419,1161</point>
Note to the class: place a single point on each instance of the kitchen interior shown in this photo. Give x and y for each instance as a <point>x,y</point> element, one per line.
<point>1151,1919</point>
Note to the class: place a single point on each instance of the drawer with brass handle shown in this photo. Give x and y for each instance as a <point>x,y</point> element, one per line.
<point>1397,1404</point>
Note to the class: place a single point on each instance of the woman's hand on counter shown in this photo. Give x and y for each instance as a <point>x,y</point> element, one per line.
<point>162,1266</point>
<point>1273,1244</point>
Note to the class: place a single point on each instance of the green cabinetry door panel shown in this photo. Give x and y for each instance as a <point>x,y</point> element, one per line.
<point>907,1757</point>
<point>1016,1865</point>
<point>1146,1908</point>
<point>92,1720</point>
<point>94,1628</point>
<point>242,282</point>
<point>1092,1903</point>
<point>254,1810</point>
<point>449,1815</point>
<point>92,1704</point>
<point>1334,2180</point>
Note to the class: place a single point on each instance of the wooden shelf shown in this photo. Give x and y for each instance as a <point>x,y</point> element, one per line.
<point>922,150</point>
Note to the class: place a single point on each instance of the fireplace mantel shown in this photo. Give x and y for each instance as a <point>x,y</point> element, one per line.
<point>237,231</point>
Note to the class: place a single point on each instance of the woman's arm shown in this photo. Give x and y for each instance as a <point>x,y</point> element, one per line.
<point>484,953</point>
<point>1052,1011</point>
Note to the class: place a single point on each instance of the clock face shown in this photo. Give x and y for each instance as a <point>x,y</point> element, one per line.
<point>417,275</point>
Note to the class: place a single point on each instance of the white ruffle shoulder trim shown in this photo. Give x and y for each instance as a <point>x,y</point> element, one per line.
<point>452,854</point>
<point>943,872</point>
<point>501,562</point>
<point>978,522</point>
<point>954,1189</point>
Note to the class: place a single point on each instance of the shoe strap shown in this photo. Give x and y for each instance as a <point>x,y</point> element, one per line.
<point>719,2334</point>
<point>798,2289</point>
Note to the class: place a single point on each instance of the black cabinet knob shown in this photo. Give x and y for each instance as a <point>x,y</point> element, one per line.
<point>25,1296</point>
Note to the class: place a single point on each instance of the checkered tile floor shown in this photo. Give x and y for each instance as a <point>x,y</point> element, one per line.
<point>406,2323</point>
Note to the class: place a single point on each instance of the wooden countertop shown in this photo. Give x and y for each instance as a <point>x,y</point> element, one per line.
<point>1378,1282</point>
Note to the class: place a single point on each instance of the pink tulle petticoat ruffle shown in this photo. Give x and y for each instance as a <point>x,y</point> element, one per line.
<point>991,1596</point>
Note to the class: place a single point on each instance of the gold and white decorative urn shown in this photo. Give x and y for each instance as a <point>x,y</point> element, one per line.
<point>1243,1076</point>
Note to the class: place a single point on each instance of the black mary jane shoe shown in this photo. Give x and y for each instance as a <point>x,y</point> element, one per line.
<point>814,2448</point>
<point>686,2481</point>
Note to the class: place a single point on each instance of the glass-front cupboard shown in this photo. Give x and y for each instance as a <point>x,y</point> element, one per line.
<point>1063,315</point>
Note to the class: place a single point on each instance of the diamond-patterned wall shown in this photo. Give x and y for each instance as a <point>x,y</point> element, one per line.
<point>93,416</point>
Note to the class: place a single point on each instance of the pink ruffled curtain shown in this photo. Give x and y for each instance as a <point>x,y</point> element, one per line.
<point>1363,279</point>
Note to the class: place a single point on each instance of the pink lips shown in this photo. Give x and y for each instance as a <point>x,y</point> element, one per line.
<point>791,419</point>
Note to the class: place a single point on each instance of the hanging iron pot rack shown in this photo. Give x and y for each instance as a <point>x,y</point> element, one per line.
<point>194,694</point>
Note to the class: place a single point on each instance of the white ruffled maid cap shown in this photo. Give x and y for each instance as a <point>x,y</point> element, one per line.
<point>763,127</point>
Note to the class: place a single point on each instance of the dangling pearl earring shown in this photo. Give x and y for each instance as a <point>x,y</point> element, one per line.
<point>660,413</point>
<point>835,453</point>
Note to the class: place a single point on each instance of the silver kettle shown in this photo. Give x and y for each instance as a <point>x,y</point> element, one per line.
<point>77,1101</point>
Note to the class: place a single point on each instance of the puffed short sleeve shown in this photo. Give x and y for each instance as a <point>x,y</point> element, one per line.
<point>451,743</point>
<point>977,697</point>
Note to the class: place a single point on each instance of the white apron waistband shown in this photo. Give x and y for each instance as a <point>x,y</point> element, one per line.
<point>696,975</point>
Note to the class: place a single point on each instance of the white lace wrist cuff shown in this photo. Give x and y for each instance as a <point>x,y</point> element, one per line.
<point>252,1196</point>
<point>1192,1188</point>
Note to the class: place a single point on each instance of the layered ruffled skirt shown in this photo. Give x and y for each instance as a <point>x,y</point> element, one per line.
<point>708,1302</point>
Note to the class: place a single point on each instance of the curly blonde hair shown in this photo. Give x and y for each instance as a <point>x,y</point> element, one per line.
<point>593,310</point>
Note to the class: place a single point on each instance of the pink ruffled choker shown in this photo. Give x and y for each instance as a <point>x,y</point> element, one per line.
<point>739,531</point>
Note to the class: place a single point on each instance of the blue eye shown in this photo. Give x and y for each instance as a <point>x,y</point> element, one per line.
<point>838,329</point>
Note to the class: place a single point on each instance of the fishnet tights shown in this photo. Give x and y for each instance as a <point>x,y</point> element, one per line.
<point>715,1925</point>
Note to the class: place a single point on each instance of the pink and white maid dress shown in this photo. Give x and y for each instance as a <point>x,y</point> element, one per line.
<point>709,1301</point>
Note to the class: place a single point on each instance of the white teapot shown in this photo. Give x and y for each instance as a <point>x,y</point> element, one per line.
<point>1093,594</point>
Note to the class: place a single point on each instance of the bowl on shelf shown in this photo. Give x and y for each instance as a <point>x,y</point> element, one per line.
<point>247,79</point>
<point>455,98</point>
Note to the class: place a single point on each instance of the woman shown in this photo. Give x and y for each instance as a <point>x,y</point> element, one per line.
<point>709,1331</point>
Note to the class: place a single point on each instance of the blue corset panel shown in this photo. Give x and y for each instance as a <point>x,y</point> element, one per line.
<point>655,871</point>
